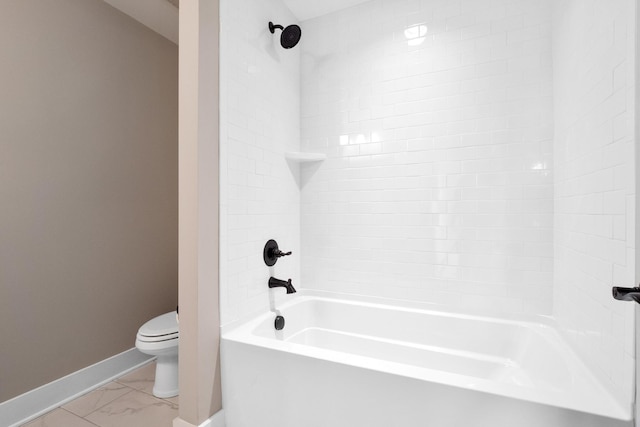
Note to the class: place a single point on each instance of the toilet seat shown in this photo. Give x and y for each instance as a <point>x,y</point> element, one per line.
<point>160,338</point>
<point>162,327</point>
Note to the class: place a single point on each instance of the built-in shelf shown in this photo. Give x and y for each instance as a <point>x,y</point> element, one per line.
<point>300,157</point>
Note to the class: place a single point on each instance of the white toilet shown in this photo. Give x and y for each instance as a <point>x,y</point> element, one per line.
<point>159,337</point>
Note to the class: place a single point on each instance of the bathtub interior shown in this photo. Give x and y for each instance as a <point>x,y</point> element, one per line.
<point>472,346</point>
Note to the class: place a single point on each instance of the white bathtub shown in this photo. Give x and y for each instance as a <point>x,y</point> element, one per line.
<point>343,362</point>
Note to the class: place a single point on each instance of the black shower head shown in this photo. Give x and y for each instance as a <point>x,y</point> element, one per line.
<point>290,36</point>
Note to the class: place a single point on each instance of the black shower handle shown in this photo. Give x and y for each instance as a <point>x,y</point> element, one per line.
<point>626,294</point>
<point>271,253</point>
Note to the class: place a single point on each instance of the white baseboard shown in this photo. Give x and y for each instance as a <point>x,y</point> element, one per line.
<point>217,420</point>
<point>41,400</point>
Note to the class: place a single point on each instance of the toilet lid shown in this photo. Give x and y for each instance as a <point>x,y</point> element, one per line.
<point>165,324</point>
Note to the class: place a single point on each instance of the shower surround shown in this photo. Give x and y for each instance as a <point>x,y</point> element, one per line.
<point>488,167</point>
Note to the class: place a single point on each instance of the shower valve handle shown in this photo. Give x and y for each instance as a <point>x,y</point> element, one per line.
<point>626,294</point>
<point>278,253</point>
<point>271,253</point>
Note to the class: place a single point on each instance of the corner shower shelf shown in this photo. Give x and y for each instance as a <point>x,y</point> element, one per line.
<point>300,157</point>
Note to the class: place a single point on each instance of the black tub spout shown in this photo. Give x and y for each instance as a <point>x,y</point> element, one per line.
<point>277,283</point>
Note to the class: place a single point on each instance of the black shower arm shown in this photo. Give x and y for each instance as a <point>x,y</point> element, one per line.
<point>272,27</point>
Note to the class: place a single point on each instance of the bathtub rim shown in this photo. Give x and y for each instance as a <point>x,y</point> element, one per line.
<point>283,301</point>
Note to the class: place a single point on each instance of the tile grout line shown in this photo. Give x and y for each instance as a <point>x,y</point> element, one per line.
<point>82,418</point>
<point>108,403</point>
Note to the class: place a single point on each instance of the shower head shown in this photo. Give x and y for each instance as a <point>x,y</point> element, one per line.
<point>290,36</point>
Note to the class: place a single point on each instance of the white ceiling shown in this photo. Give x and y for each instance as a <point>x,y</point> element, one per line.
<point>162,16</point>
<point>308,9</point>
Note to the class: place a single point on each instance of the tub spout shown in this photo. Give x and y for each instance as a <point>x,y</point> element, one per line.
<point>277,283</point>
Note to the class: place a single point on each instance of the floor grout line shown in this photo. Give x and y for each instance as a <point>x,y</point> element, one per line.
<point>108,403</point>
<point>83,418</point>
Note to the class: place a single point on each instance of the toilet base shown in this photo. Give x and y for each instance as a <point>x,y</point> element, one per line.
<point>166,384</point>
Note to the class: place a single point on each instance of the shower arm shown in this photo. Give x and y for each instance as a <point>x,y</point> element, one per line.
<point>272,27</point>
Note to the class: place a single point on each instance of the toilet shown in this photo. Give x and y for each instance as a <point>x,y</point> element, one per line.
<point>159,337</point>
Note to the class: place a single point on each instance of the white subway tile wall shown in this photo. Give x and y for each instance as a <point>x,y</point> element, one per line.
<point>594,223</point>
<point>437,120</point>
<point>259,121</point>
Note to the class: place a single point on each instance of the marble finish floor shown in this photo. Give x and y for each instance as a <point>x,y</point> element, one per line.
<point>125,402</point>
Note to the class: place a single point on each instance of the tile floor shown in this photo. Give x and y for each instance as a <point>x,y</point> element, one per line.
<point>125,402</point>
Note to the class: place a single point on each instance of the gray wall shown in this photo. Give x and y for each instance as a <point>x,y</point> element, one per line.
<point>88,186</point>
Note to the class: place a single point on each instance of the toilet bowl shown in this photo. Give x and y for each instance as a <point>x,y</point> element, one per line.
<point>159,337</point>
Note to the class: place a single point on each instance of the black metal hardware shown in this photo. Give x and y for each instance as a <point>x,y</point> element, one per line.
<point>271,253</point>
<point>290,35</point>
<point>626,294</point>
<point>272,27</point>
<point>277,283</point>
<point>279,323</point>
